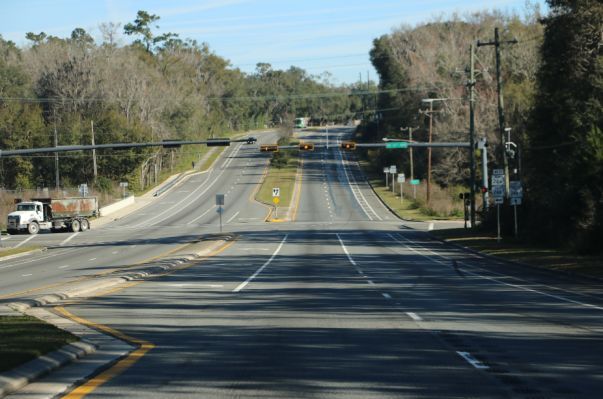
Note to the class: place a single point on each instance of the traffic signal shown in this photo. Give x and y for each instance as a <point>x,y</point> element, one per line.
<point>269,148</point>
<point>484,190</point>
<point>348,145</point>
<point>218,142</point>
<point>306,146</point>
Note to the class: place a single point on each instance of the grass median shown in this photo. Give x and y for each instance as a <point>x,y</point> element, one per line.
<point>24,338</point>
<point>14,251</point>
<point>282,177</point>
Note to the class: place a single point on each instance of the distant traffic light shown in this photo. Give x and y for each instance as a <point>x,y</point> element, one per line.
<point>221,142</point>
<point>269,148</point>
<point>348,145</point>
<point>484,190</point>
<point>306,146</point>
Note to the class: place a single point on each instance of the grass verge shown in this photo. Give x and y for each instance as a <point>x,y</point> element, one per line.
<point>23,338</point>
<point>283,178</point>
<point>14,251</point>
<point>518,251</point>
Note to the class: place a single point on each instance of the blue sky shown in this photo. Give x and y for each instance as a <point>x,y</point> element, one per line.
<point>319,36</point>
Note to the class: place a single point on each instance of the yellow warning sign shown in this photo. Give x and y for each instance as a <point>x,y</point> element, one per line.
<point>276,200</point>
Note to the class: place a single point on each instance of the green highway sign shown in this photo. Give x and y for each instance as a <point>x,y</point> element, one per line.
<point>415,181</point>
<point>397,144</point>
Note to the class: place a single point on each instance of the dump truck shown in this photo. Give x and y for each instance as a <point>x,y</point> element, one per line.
<point>37,214</point>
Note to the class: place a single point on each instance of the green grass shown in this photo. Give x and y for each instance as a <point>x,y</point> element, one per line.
<point>14,251</point>
<point>23,338</point>
<point>283,178</point>
<point>407,209</point>
<point>518,251</point>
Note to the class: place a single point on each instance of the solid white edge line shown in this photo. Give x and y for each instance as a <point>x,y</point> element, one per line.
<point>472,361</point>
<point>66,240</point>
<point>345,250</point>
<point>254,275</point>
<point>559,298</point>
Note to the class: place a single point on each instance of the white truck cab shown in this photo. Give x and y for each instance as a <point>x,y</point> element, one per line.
<point>26,213</point>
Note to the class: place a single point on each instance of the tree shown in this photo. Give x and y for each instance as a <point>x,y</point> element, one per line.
<point>565,158</point>
<point>142,27</point>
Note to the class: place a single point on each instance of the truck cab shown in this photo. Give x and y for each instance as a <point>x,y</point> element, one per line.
<point>24,215</point>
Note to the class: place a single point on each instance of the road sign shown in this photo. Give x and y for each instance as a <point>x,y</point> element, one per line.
<point>385,169</point>
<point>498,180</point>
<point>123,184</point>
<point>393,169</point>
<point>396,144</point>
<point>83,190</point>
<point>401,178</point>
<point>415,182</point>
<point>498,191</point>
<point>220,210</point>
<point>276,192</point>
<point>498,172</point>
<point>499,200</point>
<point>515,200</point>
<point>276,200</point>
<point>515,189</point>
<point>219,199</point>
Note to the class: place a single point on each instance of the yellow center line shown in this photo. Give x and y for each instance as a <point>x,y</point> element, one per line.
<point>143,346</point>
<point>298,192</point>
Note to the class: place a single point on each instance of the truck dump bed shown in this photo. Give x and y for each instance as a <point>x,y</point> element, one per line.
<point>71,207</point>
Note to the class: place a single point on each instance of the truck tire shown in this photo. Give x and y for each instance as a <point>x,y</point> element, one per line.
<point>75,225</point>
<point>84,225</point>
<point>33,228</point>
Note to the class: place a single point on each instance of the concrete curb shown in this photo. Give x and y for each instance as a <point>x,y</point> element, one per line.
<point>19,377</point>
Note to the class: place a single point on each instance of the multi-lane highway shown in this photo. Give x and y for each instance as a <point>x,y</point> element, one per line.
<point>345,301</point>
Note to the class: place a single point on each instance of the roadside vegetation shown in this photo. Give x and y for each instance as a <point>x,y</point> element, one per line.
<point>14,251</point>
<point>522,251</point>
<point>24,338</point>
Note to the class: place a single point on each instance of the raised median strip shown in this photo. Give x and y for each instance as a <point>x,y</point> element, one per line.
<point>91,340</point>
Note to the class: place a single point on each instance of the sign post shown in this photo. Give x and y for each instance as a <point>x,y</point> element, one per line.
<point>393,170</point>
<point>401,180</point>
<point>498,192</point>
<point>83,189</point>
<point>123,185</point>
<point>276,198</point>
<point>220,210</point>
<point>386,171</point>
<point>516,195</point>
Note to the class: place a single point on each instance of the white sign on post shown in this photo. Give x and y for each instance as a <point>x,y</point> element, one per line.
<point>219,199</point>
<point>401,178</point>
<point>515,189</point>
<point>276,192</point>
<point>385,169</point>
<point>393,169</point>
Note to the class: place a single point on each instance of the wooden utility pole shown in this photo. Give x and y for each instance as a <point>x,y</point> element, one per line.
<point>412,166</point>
<point>56,155</point>
<point>94,167</point>
<point>471,86</point>
<point>501,111</point>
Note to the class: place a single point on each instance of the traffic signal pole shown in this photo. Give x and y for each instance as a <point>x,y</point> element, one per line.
<point>471,85</point>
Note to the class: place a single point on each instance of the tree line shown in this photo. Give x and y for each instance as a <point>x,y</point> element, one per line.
<point>158,87</point>
<point>552,85</point>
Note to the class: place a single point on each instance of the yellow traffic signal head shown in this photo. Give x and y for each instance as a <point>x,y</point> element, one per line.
<point>306,146</point>
<point>269,148</point>
<point>348,145</point>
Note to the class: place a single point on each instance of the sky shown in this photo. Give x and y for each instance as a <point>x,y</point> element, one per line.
<point>333,36</point>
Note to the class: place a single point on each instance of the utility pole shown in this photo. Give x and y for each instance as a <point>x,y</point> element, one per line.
<point>94,167</point>
<point>412,166</point>
<point>471,86</point>
<point>501,112</point>
<point>56,155</point>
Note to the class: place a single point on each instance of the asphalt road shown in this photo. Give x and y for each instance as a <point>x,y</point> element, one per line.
<point>345,302</point>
